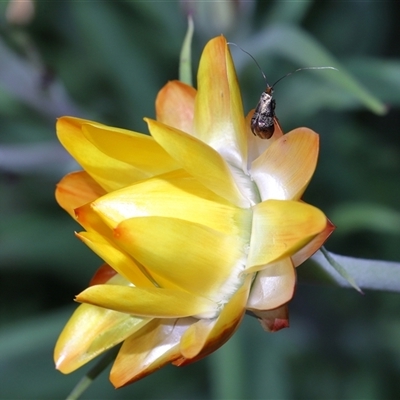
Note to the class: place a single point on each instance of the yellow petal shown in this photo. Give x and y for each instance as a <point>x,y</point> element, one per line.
<point>77,189</point>
<point>116,258</point>
<point>176,194</point>
<point>147,302</point>
<point>148,350</point>
<point>307,251</point>
<point>284,170</point>
<point>273,320</point>
<point>273,286</point>
<point>205,336</point>
<point>108,172</point>
<point>89,332</point>
<point>219,119</point>
<point>142,152</point>
<point>175,105</point>
<point>199,160</point>
<point>190,256</point>
<point>280,229</point>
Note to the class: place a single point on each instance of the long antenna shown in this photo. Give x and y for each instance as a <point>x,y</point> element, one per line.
<point>258,65</point>
<point>284,76</point>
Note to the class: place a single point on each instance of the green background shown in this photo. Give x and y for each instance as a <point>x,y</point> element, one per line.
<point>106,60</point>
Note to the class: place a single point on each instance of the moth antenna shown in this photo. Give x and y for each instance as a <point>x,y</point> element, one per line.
<point>258,65</point>
<point>302,69</point>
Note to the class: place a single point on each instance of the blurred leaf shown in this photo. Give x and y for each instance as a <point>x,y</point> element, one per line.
<point>381,75</point>
<point>375,217</point>
<point>368,274</point>
<point>298,46</point>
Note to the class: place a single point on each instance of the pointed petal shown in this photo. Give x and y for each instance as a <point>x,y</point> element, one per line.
<point>219,119</point>
<point>170,195</point>
<point>199,160</point>
<point>175,105</point>
<point>206,336</point>
<point>280,229</point>
<point>108,172</point>
<point>274,320</point>
<point>273,286</point>
<point>142,152</point>
<point>148,350</point>
<point>89,332</point>
<point>190,256</point>
<point>115,257</point>
<point>77,189</point>
<point>147,302</point>
<point>284,170</point>
<point>307,251</point>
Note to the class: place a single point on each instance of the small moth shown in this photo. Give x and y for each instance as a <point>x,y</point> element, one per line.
<point>264,119</point>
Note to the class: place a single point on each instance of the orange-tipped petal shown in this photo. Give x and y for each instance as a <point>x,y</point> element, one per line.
<point>308,250</point>
<point>280,229</point>
<point>147,302</point>
<point>191,153</point>
<point>219,119</point>
<point>89,332</point>
<point>273,286</point>
<point>77,189</point>
<point>284,170</point>
<point>148,350</point>
<point>206,336</point>
<point>175,105</point>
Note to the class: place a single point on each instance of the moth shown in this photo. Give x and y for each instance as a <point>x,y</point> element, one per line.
<point>264,119</point>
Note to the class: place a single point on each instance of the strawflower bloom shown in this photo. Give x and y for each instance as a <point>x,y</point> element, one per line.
<point>197,224</point>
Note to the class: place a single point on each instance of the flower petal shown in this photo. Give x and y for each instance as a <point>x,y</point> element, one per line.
<point>142,152</point>
<point>218,119</point>
<point>273,286</point>
<point>115,257</point>
<point>89,332</point>
<point>77,189</point>
<point>199,160</point>
<point>273,320</point>
<point>108,172</point>
<point>308,250</point>
<point>148,350</point>
<point>175,194</point>
<point>280,229</point>
<point>206,336</point>
<point>147,302</point>
<point>181,254</point>
<point>175,105</point>
<point>284,170</point>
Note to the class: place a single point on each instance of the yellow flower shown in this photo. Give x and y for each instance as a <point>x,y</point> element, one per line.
<point>197,223</point>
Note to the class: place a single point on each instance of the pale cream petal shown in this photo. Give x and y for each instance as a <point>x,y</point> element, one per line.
<point>285,169</point>
<point>273,286</point>
<point>148,350</point>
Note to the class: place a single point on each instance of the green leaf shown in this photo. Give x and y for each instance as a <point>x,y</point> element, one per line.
<point>185,62</point>
<point>367,274</point>
<point>298,46</point>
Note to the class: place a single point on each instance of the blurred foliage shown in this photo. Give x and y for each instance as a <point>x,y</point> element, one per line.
<point>106,60</point>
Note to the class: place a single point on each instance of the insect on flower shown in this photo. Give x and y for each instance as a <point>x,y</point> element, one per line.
<point>264,119</point>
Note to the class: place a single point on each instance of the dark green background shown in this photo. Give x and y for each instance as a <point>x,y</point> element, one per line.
<point>111,58</point>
